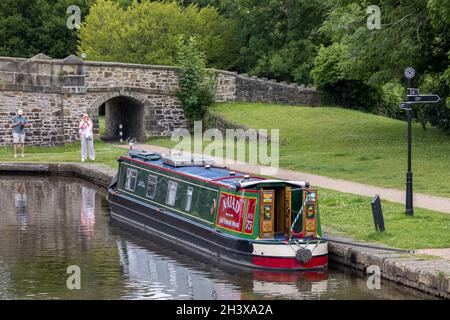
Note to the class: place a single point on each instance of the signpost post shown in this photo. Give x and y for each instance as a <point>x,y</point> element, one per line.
<point>412,97</point>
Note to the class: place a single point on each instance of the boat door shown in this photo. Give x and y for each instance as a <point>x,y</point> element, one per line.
<point>276,212</point>
<point>267,213</point>
<point>287,210</point>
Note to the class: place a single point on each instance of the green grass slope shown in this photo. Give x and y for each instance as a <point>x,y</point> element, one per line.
<point>350,145</point>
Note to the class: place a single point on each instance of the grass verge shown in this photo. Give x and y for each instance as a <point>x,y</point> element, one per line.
<point>352,215</point>
<point>104,153</point>
<point>347,144</point>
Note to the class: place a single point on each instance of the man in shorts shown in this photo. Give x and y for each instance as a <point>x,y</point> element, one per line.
<point>19,124</point>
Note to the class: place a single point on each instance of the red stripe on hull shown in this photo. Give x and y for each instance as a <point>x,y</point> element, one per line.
<point>290,263</point>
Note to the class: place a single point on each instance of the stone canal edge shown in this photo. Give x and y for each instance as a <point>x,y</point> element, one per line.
<point>424,273</point>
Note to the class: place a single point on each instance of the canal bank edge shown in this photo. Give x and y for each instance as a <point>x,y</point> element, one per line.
<point>424,274</point>
<point>98,174</point>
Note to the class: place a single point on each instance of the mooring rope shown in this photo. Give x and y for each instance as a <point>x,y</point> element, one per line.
<point>365,245</point>
<point>336,241</point>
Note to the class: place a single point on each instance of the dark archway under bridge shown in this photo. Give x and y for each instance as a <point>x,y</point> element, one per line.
<point>141,115</point>
<point>124,112</point>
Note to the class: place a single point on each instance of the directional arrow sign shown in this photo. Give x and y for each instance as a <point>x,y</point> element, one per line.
<point>405,105</point>
<point>424,99</point>
<point>413,92</point>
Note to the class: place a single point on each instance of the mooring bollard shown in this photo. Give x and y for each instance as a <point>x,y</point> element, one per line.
<point>378,219</point>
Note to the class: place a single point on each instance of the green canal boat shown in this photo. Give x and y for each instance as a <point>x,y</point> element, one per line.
<point>218,213</point>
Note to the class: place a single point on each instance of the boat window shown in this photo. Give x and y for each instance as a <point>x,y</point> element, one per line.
<point>171,193</point>
<point>131,180</point>
<point>151,186</point>
<point>190,190</point>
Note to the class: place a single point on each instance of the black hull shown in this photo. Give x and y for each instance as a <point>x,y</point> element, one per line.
<point>187,234</point>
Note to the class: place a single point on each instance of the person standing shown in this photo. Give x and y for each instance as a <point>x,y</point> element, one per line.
<point>87,138</point>
<point>19,124</point>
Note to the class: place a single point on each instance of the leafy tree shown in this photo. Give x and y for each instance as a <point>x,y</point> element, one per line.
<point>197,85</point>
<point>407,37</point>
<point>124,3</point>
<point>277,38</point>
<point>200,3</point>
<point>413,33</point>
<point>28,27</point>
<point>146,32</point>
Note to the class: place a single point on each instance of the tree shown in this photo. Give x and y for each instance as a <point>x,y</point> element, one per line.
<point>413,33</point>
<point>146,32</point>
<point>28,27</point>
<point>407,37</point>
<point>277,38</point>
<point>197,85</point>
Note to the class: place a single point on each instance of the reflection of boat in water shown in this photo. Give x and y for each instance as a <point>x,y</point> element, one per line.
<point>156,271</point>
<point>293,284</point>
<point>220,214</point>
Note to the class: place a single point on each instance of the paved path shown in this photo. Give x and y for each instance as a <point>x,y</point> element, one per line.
<point>440,204</point>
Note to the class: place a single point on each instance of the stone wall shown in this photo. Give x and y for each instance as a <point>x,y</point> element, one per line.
<point>252,89</point>
<point>240,87</point>
<point>55,93</point>
<point>226,86</point>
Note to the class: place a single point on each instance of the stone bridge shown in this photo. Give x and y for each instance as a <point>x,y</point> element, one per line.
<point>55,93</point>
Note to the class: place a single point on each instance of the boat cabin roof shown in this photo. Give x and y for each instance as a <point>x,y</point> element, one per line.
<point>203,168</point>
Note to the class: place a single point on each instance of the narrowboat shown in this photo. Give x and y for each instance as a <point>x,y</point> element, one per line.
<point>221,214</point>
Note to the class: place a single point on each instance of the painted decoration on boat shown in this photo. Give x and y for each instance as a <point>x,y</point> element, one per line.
<point>231,211</point>
<point>250,216</point>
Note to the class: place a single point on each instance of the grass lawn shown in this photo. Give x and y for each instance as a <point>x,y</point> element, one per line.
<point>352,215</point>
<point>347,144</point>
<point>105,153</point>
<point>101,124</point>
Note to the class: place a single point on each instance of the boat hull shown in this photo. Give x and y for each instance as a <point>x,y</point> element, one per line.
<point>199,239</point>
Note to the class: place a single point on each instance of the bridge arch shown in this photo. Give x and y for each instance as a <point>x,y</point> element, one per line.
<point>129,109</point>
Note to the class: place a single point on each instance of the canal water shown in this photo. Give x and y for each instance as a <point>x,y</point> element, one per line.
<point>48,224</point>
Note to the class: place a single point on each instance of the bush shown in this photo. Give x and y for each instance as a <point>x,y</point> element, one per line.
<point>338,87</point>
<point>327,69</point>
<point>197,85</point>
<point>352,94</point>
<point>392,93</point>
<point>146,32</point>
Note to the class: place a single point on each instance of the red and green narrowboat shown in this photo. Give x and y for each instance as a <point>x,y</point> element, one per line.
<point>221,214</point>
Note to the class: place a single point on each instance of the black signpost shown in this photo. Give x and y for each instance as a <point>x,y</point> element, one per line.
<point>412,97</point>
<point>423,98</point>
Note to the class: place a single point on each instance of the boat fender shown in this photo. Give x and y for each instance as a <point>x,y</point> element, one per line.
<point>303,255</point>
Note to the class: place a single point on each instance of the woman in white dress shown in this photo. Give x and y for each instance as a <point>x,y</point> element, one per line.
<point>87,138</point>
